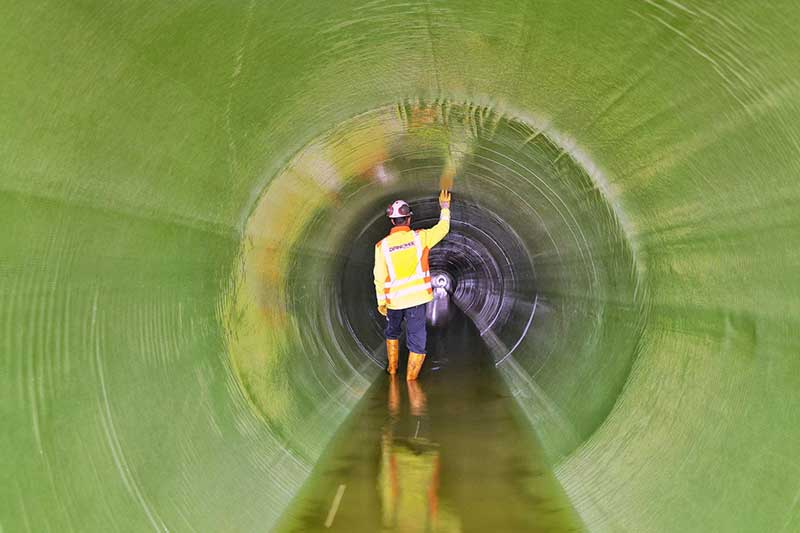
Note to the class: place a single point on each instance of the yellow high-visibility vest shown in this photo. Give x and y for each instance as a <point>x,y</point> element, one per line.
<point>402,274</point>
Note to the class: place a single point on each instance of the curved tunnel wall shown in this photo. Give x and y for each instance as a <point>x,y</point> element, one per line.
<point>140,142</point>
<point>531,239</point>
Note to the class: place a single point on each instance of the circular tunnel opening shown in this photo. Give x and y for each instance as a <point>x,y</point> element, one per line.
<point>536,258</point>
<point>155,380</point>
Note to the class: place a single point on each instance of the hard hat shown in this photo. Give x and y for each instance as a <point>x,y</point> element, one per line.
<point>398,209</point>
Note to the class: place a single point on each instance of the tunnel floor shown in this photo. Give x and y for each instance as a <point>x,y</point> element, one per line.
<point>450,452</point>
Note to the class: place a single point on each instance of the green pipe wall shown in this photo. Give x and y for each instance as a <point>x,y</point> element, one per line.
<point>178,182</point>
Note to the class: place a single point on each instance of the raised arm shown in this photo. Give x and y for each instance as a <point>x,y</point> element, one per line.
<point>431,237</point>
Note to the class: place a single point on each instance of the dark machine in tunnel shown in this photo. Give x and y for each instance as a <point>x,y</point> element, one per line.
<point>191,192</point>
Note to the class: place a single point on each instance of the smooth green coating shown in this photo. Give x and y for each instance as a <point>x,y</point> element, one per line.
<point>136,140</point>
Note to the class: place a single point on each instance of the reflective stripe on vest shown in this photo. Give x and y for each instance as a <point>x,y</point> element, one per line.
<point>420,274</point>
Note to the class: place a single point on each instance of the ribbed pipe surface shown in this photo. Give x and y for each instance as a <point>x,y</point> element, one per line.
<point>190,192</point>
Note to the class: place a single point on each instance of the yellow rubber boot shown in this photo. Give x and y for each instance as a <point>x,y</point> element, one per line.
<point>415,361</point>
<point>392,351</point>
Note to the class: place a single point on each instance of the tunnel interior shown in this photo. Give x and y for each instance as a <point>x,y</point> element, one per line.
<point>536,256</point>
<point>481,267</point>
<point>191,191</point>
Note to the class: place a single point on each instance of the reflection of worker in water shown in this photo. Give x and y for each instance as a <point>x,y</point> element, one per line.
<point>403,280</point>
<point>410,466</point>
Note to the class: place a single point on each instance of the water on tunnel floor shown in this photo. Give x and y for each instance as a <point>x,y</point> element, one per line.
<point>189,193</point>
<point>450,452</point>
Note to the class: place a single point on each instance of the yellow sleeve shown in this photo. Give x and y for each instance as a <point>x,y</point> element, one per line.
<point>431,237</point>
<point>380,272</point>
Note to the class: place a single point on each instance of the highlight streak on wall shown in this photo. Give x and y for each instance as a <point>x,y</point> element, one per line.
<point>137,138</point>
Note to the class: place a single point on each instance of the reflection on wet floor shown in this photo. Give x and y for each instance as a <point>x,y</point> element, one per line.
<point>449,452</point>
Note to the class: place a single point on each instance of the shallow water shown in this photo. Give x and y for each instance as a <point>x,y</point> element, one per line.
<point>190,191</point>
<point>449,452</point>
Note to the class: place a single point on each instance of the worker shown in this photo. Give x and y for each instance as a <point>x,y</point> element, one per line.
<point>403,281</point>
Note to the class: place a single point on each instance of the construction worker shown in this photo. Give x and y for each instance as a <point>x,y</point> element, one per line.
<point>403,281</point>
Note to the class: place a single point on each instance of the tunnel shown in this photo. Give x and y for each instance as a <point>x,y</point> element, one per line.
<point>191,196</point>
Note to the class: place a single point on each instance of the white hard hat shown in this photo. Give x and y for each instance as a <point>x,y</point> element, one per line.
<point>398,209</point>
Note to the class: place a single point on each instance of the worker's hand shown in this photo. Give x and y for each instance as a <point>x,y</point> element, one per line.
<point>382,309</point>
<point>444,199</point>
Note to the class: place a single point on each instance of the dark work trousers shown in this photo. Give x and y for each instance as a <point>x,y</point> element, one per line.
<point>415,326</point>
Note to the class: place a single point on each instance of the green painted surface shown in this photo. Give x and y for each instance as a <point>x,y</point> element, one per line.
<point>137,139</point>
